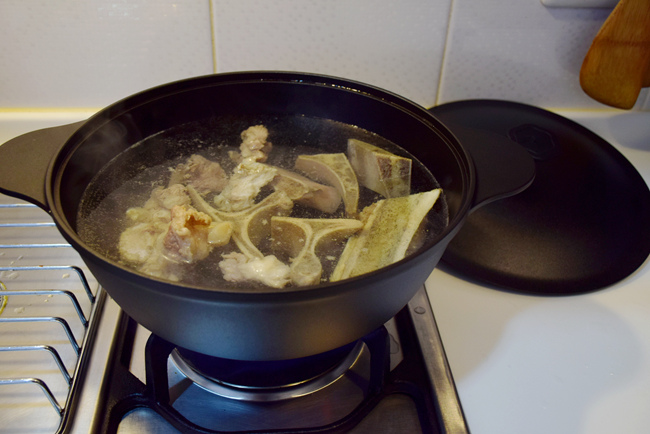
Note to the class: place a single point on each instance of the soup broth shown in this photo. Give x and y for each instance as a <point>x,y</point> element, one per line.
<point>127,183</point>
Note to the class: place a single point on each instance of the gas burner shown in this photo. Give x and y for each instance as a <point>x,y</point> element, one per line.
<point>271,380</point>
<point>385,382</point>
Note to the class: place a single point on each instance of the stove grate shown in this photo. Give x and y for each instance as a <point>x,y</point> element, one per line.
<point>47,324</point>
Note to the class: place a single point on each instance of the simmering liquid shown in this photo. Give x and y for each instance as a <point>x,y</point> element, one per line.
<point>128,180</point>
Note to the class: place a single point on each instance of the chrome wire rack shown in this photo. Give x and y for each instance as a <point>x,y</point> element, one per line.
<point>48,317</point>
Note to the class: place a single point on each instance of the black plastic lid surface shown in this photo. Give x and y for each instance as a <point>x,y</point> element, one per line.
<point>583,224</point>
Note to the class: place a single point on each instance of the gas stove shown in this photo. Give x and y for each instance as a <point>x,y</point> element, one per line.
<point>73,361</point>
<point>582,370</point>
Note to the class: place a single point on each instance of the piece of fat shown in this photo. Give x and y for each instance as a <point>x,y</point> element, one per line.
<point>390,226</point>
<point>379,170</point>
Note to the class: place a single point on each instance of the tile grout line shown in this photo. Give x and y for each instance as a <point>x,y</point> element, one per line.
<point>444,52</point>
<point>213,33</point>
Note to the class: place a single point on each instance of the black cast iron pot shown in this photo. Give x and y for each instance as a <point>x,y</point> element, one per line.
<point>53,167</point>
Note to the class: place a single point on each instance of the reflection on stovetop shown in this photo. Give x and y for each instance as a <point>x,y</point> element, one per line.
<point>380,384</point>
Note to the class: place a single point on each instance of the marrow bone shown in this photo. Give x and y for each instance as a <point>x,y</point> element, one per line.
<point>304,239</point>
<point>251,226</point>
<point>389,227</point>
<point>307,192</point>
<point>380,170</point>
<point>334,170</point>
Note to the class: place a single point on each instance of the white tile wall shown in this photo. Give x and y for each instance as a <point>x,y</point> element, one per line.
<point>81,53</point>
<point>397,45</point>
<point>523,52</point>
<point>75,53</point>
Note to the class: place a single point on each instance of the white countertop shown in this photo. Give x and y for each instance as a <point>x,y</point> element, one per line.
<point>526,364</point>
<point>578,364</point>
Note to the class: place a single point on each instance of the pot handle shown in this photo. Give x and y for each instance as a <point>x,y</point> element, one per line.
<point>503,167</point>
<point>24,162</point>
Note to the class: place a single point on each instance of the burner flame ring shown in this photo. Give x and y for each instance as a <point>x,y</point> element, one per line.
<point>267,393</point>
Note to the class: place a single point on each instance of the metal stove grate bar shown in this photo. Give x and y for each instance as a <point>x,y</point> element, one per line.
<point>69,294</point>
<point>46,390</point>
<point>64,324</point>
<point>30,239</point>
<point>49,349</point>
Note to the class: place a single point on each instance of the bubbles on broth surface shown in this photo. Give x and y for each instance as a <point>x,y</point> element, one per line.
<point>128,180</point>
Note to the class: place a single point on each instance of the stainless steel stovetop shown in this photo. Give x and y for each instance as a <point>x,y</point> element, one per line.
<point>72,361</point>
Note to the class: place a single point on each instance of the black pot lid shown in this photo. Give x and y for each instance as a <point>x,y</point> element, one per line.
<point>582,225</point>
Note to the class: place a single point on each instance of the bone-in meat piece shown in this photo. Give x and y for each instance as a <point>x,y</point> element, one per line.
<point>202,174</point>
<point>379,170</point>
<point>168,197</point>
<point>269,270</point>
<point>307,192</point>
<point>244,185</point>
<point>139,241</point>
<point>305,240</point>
<point>162,240</point>
<point>334,170</point>
<point>389,227</point>
<point>188,237</point>
<point>254,145</point>
<point>251,226</point>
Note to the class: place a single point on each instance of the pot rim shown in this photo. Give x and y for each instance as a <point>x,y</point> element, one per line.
<point>149,96</point>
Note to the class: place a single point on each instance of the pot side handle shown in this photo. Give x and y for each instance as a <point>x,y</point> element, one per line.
<point>503,167</point>
<point>24,162</point>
